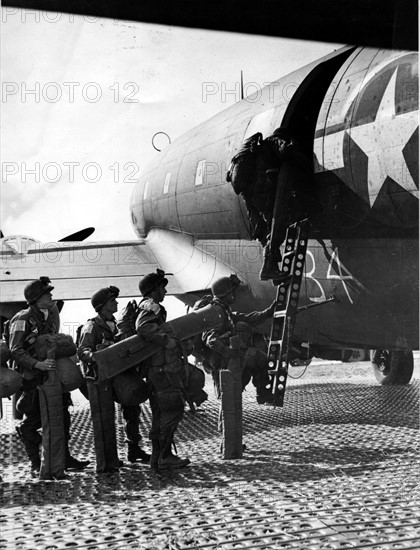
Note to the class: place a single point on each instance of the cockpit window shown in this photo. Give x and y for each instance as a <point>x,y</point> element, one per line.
<point>200,172</point>
<point>166,184</point>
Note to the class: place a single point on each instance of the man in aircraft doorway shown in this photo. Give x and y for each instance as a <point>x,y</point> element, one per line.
<point>253,361</point>
<point>274,177</point>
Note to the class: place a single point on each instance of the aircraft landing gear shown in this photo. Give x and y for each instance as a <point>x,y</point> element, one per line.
<point>392,367</point>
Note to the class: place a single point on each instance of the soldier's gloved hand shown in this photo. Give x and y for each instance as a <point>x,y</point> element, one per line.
<point>48,364</point>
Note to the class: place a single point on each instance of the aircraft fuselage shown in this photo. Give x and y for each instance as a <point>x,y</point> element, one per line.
<point>355,114</point>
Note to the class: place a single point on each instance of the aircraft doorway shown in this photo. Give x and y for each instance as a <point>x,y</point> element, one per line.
<point>302,113</point>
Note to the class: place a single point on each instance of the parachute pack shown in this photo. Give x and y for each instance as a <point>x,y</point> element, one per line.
<point>253,170</point>
<point>242,172</point>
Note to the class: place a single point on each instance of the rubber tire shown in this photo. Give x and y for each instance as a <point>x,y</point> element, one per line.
<point>396,370</point>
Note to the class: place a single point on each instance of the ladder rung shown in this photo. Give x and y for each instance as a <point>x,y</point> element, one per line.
<point>280,313</point>
<point>295,245</point>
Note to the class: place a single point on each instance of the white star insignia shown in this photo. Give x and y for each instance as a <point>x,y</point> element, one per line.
<point>383,141</point>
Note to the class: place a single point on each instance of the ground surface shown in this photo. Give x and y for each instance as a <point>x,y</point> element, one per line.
<point>337,467</point>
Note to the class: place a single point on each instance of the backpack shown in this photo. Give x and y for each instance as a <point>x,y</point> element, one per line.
<point>243,167</point>
<point>126,323</point>
<point>253,173</point>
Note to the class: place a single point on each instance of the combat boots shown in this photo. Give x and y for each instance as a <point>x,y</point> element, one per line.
<point>167,460</point>
<point>72,463</point>
<point>135,452</point>
<point>75,464</point>
<point>172,461</point>
<point>32,450</point>
<point>35,466</point>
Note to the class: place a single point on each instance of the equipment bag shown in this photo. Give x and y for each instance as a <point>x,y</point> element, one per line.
<point>69,373</point>
<point>194,384</point>
<point>10,382</point>
<point>129,388</point>
<point>62,343</point>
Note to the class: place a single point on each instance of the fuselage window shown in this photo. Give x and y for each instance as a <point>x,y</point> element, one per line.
<point>146,189</point>
<point>260,123</point>
<point>166,184</point>
<point>199,174</point>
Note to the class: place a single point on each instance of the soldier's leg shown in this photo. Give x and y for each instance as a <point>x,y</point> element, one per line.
<point>28,405</point>
<point>154,433</point>
<point>169,410</point>
<point>171,405</point>
<point>71,463</point>
<point>257,223</point>
<point>279,223</point>
<point>131,415</point>
<point>216,383</point>
<point>256,364</point>
<point>101,402</point>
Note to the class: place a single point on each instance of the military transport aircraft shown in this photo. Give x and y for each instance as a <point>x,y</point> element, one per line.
<point>355,112</point>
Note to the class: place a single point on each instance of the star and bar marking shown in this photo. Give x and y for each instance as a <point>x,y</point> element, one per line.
<point>382,141</point>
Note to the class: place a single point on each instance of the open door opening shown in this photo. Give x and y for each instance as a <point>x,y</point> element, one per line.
<point>302,113</point>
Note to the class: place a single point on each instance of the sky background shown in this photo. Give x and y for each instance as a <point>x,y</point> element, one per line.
<point>83,97</point>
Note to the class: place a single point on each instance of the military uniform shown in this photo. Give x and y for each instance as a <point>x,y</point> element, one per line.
<point>164,370</point>
<point>25,327</point>
<point>97,334</point>
<point>254,361</point>
<point>293,199</point>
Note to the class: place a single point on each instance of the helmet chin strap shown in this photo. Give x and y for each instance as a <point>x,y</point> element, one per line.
<point>45,312</point>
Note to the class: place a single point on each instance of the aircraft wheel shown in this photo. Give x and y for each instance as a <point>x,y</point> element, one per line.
<point>392,367</point>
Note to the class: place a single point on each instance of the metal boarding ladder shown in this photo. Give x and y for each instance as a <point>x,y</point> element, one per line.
<point>284,317</point>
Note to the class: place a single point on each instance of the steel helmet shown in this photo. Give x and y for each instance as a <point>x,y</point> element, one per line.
<point>35,289</point>
<point>151,281</point>
<point>101,297</point>
<point>221,287</point>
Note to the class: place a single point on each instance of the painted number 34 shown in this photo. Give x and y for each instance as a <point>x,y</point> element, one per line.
<point>335,271</point>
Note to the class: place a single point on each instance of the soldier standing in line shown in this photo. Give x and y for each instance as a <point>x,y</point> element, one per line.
<point>254,361</point>
<point>164,370</point>
<point>101,332</point>
<point>25,327</point>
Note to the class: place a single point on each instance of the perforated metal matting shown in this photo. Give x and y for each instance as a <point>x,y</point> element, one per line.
<point>337,467</point>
